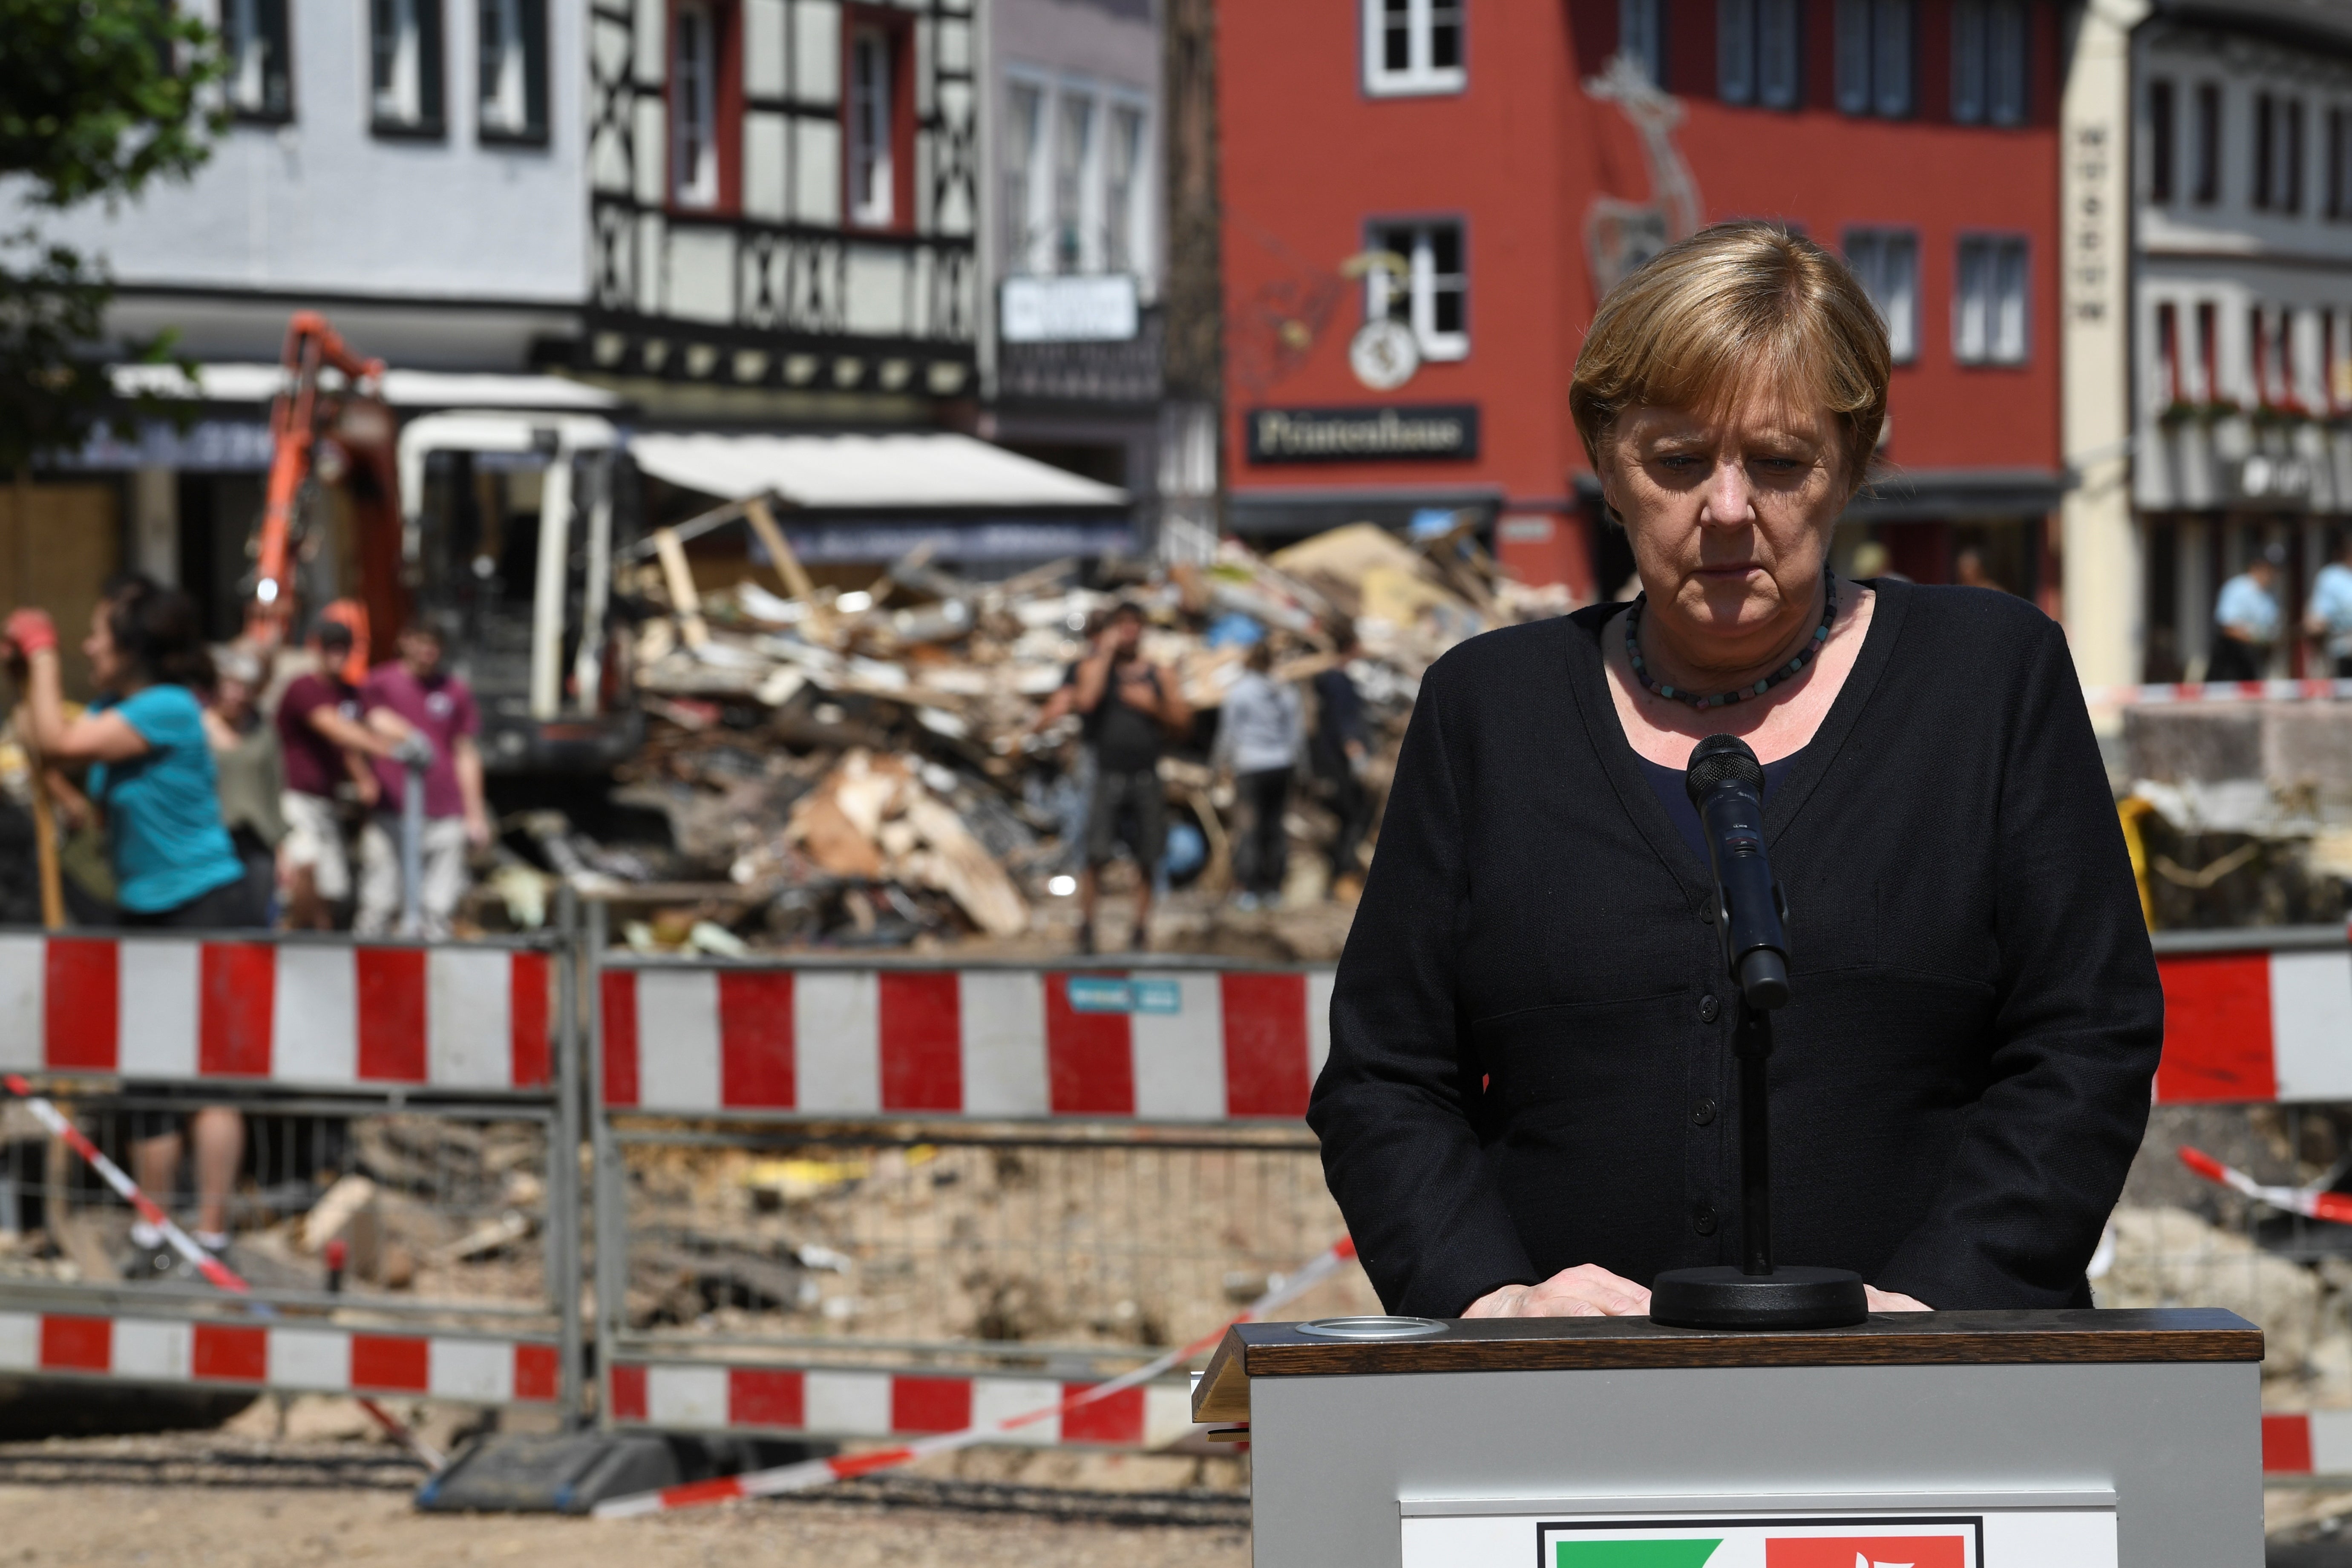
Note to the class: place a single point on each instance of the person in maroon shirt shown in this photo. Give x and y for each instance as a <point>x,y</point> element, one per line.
<point>326,749</point>
<point>414,697</point>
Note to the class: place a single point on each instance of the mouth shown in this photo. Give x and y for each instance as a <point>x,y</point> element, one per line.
<point>1727,573</point>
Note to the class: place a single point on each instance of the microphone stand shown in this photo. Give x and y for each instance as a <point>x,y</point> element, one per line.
<point>1758,1294</point>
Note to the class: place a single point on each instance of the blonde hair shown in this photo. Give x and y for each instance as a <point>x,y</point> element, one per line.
<point>1734,305</point>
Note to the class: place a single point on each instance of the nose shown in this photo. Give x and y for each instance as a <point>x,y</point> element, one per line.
<point>1727,499</point>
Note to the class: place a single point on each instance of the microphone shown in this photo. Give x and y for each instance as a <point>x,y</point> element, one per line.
<point>1726,784</point>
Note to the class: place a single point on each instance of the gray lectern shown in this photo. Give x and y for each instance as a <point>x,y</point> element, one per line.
<point>2076,1439</point>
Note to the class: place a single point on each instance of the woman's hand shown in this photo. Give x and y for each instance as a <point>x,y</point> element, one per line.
<point>1586,1291</point>
<point>1893,1300</point>
<point>30,631</point>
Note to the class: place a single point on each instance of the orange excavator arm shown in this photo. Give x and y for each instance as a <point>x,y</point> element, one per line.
<point>296,420</point>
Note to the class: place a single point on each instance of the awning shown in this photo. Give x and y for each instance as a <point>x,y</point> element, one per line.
<point>928,471</point>
<point>245,382</point>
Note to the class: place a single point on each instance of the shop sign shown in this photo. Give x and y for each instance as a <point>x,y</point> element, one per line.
<point>2263,476</point>
<point>1397,433</point>
<point>1092,309</point>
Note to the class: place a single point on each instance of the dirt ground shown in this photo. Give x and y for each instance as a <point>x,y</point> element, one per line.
<point>200,1500</point>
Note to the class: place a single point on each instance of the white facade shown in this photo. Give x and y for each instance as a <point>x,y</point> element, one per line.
<point>326,206</point>
<point>2241,314</point>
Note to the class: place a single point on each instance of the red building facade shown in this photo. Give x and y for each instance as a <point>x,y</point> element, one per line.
<point>1477,173</point>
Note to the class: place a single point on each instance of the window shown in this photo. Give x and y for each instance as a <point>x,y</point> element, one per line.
<point>2168,355</point>
<point>405,74</point>
<point>2290,162</point>
<point>1412,46</point>
<point>1642,38</point>
<point>1988,310</point>
<point>694,108</point>
<point>2337,201</point>
<point>1432,296</point>
<point>1874,57</point>
<point>1024,124</point>
<point>1885,262</point>
<point>512,82</point>
<point>1123,168</point>
<point>2159,140</point>
<point>1989,56</point>
<point>2208,144</point>
<point>2209,352</point>
<point>873,125</point>
<point>1074,154</point>
<point>254,42</point>
<point>1758,51</point>
<point>2265,148</point>
<point>2278,154</point>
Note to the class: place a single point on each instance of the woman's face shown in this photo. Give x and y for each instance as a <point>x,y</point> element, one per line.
<point>106,663</point>
<point>1729,513</point>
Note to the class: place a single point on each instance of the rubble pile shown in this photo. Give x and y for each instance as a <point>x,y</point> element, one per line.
<point>872,768</point>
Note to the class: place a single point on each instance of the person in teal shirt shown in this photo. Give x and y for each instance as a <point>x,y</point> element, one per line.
<point>151,774</point>
<point>152,769</point>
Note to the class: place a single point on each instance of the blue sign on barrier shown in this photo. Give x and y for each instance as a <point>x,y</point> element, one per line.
<point>1097,993</point>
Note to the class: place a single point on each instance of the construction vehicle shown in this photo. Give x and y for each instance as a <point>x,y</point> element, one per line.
<point>497,527</point>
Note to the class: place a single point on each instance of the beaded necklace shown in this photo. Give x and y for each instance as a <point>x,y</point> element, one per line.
<point>1805,655</point>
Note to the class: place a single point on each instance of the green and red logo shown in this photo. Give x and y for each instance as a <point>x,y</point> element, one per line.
<point>1751,1543</point>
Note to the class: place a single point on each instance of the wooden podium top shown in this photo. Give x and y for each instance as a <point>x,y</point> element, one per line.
<point>1572,1344</point>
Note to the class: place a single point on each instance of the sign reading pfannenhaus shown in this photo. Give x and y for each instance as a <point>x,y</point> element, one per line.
<point>1393,434</point>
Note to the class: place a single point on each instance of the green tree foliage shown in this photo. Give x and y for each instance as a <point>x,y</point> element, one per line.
<point>96,99</point>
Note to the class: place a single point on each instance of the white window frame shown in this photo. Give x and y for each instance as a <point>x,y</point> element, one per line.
<point>1759,52</point>
<point>1423,282</point>
<point>1885,262</point>
<point>1642,38</point>
<point>1421,74</point>
<point>1992,324</point>
<point>868,107</point>
<point>503,50</point>
<point>694,108</point>
<point>395,95</point>
<point>1126,142</point>
<point>1074,174</point>
<point>250,44</point>
<point>1877,58</point>
<point>1025,208</point>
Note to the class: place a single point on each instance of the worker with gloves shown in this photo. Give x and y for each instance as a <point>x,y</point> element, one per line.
<point>151,774</point>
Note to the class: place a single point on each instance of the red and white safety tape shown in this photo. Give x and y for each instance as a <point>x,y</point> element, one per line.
<point>215,1272</point>
<point>812,1473</point>
<point>2216,691</point>
<point>2309,1202</point>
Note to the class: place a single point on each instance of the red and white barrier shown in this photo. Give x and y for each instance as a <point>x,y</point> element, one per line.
<point>279,1357</point>
<point>2307,1443</point>
<point>2216,691</point>
<point>326,1015</point>
<point>2263,1025</point>
<point>831,1402</point>
<point>1164,1046</point>
<point>1077,1404</point>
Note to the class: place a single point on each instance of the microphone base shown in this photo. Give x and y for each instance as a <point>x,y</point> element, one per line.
<point>1790,1297</point>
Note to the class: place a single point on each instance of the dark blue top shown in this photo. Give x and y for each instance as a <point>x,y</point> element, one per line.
<point>1668,782</point>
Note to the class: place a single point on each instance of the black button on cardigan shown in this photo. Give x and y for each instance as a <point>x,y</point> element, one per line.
<point>1961,1077</point>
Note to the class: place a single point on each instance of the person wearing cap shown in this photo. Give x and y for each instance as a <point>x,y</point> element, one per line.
<point>2247,619</point>
<point>329,749</point>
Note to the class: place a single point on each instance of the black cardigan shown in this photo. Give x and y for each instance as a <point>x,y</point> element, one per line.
<point>1529,1068</point>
